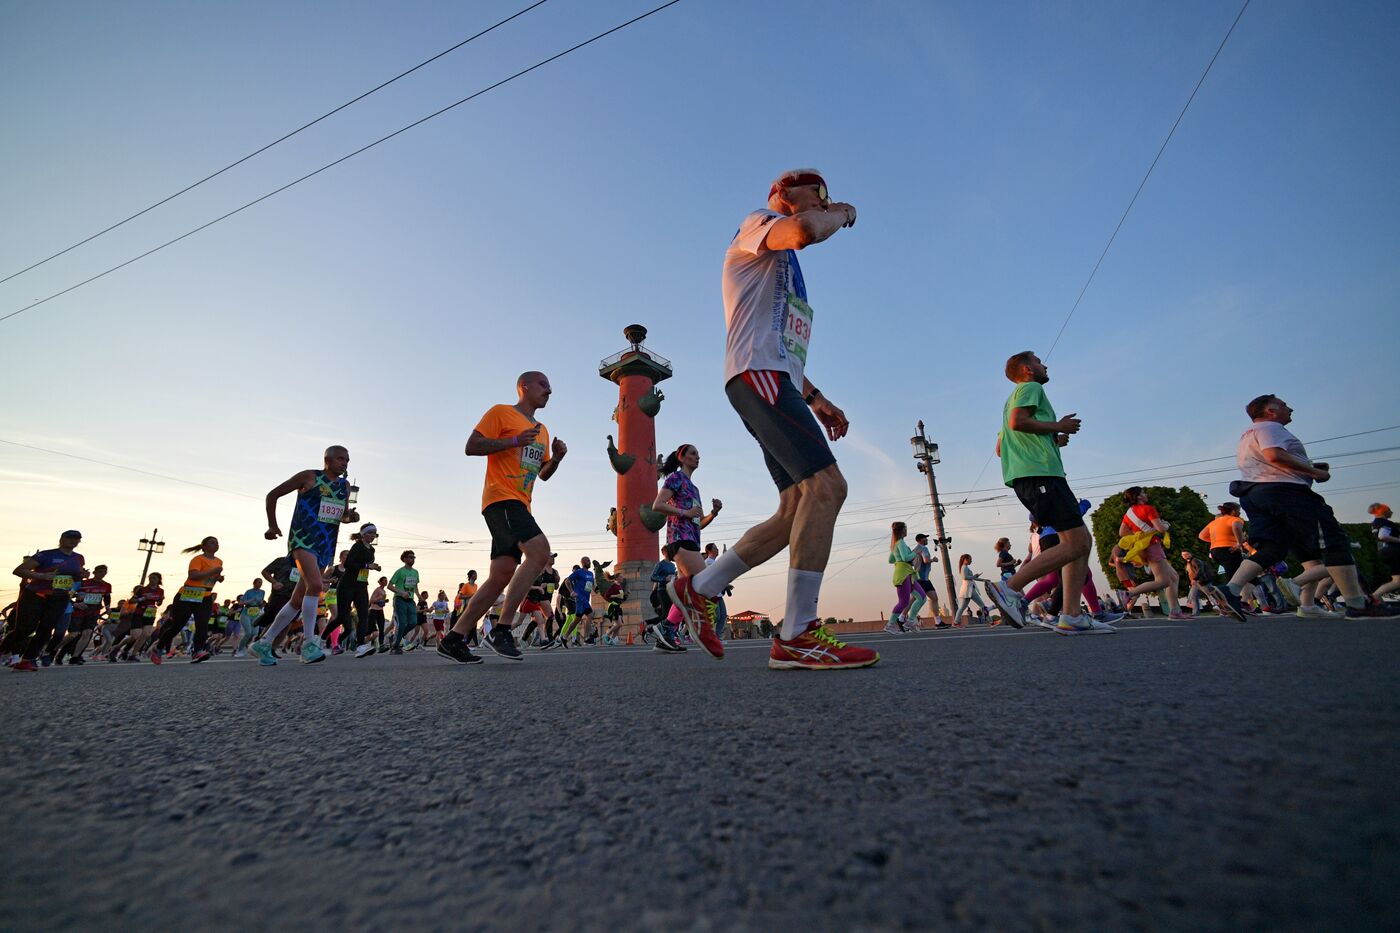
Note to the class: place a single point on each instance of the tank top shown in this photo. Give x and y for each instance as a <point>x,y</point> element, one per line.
<point>320,507</point>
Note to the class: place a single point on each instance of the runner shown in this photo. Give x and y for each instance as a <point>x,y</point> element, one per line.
<point>282,576</point>
<point>967,590</point>
<point>250,612</point>
<point>537,597</point>
<point>1227,539</point>
<point>679,500</point>
<point>768,328</point>
<point>1388,545</point>
<point>1287,516</point>
<point>517,450</point>
<point>194,599</point>
<point>581,584</point>
<point>465,592</point>
<point>48,578</point>
<point>352,591</point>
<point>377,599</point>
<point>902,556</point>
<point>440,611</point>
<point>1199,577</point>
<point>404,585</point>
<point>91,599</point>
<point>1142,536</point>
<point>316,519</point>
<point>129,640</point>
<point>924,590</point>
<point>1029,447</point>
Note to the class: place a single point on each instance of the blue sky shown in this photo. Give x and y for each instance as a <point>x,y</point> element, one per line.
<point>385,304</point>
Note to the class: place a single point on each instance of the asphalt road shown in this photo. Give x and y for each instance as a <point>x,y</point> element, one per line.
<point>1201,775</point>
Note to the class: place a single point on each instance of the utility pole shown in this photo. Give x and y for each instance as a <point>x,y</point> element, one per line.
<point>927,455</point>
<point>152,546</point>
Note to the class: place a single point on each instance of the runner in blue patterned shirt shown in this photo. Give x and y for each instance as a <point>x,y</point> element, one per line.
<point>680,500</point>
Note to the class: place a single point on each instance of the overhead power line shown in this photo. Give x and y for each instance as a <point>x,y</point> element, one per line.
<point>1155,159</point>
<point>329,165</point>
<point>281,139</point>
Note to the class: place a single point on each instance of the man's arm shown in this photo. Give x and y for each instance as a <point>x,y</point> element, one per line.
<point>1022,421</point>
<point>1281,458</point>
<point>557,452</point>
<point>831,417</point>
<point>804,229</point>
<point>478,445</point>
<point>298,482</point>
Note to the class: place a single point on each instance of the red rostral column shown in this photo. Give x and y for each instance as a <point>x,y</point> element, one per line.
<point>636,371</point>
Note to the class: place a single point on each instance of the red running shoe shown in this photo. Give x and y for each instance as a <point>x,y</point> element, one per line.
<point>24,664</point>
<point>155,656</point>
<point>199,656</point>
<point>816,650</point>
<point>699,613</point>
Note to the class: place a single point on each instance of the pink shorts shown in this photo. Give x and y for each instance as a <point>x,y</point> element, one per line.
<point>1154,552</point>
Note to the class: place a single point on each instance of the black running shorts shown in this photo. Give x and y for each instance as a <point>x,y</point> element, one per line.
<point>793,443</point>
<point>1050,501</point>
<point>1289,518</point>
<point>511,525</point>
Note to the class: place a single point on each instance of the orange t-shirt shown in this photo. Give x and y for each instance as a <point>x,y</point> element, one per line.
<point>1221,531</point>
<point>510,473</point>
<point>196,590</point>
<point>465,592</point>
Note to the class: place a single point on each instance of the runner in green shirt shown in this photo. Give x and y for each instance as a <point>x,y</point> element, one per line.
<point>1029,446</point>
<point>404,585</point>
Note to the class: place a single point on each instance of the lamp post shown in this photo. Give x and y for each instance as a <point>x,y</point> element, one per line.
<point>150,546</point>
<point>926,452</point>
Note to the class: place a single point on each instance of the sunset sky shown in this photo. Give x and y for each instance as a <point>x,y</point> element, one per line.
<point>386,303</point>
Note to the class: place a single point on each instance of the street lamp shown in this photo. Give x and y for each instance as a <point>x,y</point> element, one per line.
<point>926,452</point>
<point>150,546</point>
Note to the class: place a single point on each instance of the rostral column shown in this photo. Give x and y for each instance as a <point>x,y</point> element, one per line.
<point>636,371</point>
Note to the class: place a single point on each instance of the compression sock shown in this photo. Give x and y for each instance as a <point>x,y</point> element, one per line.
<point>725,570</point>
<point>284,619</point>
<point>803,587</point>
<point>308,617</point>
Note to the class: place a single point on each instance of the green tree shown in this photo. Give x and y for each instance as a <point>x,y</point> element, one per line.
<point>1184,509</point>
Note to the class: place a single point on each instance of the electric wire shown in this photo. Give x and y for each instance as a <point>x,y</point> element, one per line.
<point>1163,148</point>
<point>437,113</point>
<point>280,139</point>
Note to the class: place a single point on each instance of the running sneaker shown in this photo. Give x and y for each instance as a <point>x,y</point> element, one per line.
<point>665,639</point>
<point>1180,616</point>
<point>155,656</point>
<point>1371,611</point>
<point>45,659</point>
<point>367,649</point>
<point>502,644</point>
<point>892,629</point>
<point>1081,625</point>
<point>1107,616</point>
<point>704,636</point>
<point>1234,608</point>
<point>454,648</point>
<point>24,665</point>
<point>396,650</point>
<point>311,652</point>
<point>240,653</point>
<point>697,608</point>
<point>266,656</point>
<point>1008,601</point>
<point>1317,612</point>
<point>79,662</point>
<point>199,656</point>
<point>816,650</point>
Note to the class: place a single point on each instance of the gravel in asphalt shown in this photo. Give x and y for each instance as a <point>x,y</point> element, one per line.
<point>1200,775</point>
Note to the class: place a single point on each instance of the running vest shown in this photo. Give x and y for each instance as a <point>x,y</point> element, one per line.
<point>316,518</point>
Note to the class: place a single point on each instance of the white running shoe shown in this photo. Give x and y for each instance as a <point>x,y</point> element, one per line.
<point>365,650</point>
<point>1008,601</point>
<point>1317,612</point>
<point>892,628</point>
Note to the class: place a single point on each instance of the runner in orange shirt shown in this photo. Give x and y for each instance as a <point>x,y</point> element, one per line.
<point>196,598</point>
<point>518,451</point>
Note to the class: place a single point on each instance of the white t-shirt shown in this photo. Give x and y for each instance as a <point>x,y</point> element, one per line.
<point>1250,456</point>
<point>757,282</point>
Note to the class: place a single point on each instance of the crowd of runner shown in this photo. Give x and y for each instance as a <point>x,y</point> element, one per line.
<point>63,609</point>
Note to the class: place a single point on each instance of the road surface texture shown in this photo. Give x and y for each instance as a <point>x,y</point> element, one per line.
<point>1201,775</point>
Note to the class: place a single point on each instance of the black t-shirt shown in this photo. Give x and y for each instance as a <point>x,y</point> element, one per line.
<point>361,556</point>
<point>278,574</point>
<point>1394,540</point>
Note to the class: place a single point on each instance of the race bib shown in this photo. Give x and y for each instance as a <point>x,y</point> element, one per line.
<point>331,598</point>
<point>255,612</point>
<point>150,612</point>
<point>92,599</point>
<point>363,576</point>
<point>192,594</point>
<point>532,459</point>
<point>797,334</point>
<point>62,582</point>
<point>331,511</point>
<point>294,576</point>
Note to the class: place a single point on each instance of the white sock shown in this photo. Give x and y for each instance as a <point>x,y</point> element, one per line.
<point>802,589</point>
<point>308,617</point>
<point>284,619</point>
<point>725,570</point>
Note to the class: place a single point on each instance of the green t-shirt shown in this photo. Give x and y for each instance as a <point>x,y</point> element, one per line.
<point>405,578</point>
<point>1022,453</point>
